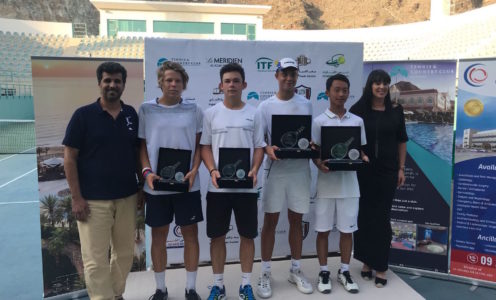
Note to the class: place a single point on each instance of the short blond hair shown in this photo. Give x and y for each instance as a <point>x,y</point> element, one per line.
<point>174,66</point>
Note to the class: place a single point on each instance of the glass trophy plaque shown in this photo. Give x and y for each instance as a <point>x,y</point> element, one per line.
<point>172,166</point>
<point>341,147</point>
<point>234,165</point>
<point>292,134</point>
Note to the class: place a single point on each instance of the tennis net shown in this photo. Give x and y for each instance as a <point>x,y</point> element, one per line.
<point>17,136</point>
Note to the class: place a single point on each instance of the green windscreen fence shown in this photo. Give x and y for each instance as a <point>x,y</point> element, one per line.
<point>17,136</point>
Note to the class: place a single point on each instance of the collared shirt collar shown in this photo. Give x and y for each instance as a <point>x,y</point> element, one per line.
<point>99,108</point>
<point>332,115</point>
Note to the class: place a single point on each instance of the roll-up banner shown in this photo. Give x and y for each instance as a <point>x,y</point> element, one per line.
<point>421,208</point>
<point>61,85</point>
<point>203,59</point>
<point>473,241</point>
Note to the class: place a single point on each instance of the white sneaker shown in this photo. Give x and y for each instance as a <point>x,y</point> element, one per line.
<point>324,286</point>
<point>297,277</point>
<point>263,286</point>
<point>347,282</point>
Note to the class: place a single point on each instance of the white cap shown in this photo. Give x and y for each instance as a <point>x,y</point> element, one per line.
<point>285,63</point>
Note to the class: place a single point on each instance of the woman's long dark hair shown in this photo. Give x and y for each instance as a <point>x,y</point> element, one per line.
<point>365,101</point>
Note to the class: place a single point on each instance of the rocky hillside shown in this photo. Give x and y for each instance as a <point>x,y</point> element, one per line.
<point>285,14</point>
<point>71,11</point>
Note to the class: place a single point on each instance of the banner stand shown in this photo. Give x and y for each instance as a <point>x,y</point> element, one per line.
<point>444,276</point>
<point>72,295</point>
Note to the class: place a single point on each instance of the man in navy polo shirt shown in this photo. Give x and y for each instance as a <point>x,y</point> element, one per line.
<point>100,158</point>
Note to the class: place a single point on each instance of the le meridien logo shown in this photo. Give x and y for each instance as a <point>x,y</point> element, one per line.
<point>475,75</point>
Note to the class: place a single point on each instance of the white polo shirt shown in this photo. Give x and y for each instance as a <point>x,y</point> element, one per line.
<point>337,184</point>
<point>231,128</point>
<point>297,105</point>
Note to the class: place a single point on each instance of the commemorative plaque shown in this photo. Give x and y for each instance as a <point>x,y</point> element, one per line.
<point>292,134</point>
<point>172,166</point>
<point>234,165</point>
<point>341,147</point>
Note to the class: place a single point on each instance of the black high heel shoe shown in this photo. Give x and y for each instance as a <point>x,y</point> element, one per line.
<point>380,282</point>
<point>366,275</point>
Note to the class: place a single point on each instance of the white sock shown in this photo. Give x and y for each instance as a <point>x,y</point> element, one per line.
<point>324,268</point>
<point>245,279</point>
<point>295,264</point>
<point>219,280</point>
<point>160,281</point>
<point>345,267</point>
<point>266,266</point>
<point>190,280</point>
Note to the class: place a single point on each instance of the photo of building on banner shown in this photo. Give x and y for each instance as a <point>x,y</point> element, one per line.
<point>421,207</point>
<point>62,85</point>
<point>473,241</point>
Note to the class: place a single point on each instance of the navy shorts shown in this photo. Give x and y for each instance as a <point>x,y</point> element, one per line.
<point>220,207</point>
<point>184,207</point>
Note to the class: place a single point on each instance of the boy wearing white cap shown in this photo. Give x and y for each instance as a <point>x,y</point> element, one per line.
<point>285,181</point>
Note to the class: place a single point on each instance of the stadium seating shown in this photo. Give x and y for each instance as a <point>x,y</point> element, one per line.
<point>468,35</point>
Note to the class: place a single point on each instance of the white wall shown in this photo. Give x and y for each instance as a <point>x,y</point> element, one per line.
<point>216,18</point>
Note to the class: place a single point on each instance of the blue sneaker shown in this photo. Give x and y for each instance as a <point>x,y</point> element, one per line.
<point>217,294</point>
<point>246,293</point>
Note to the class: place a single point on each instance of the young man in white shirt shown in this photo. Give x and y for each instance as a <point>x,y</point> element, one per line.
<point>170,122</point>
<point>231,124</point>
<point>286,181</point>
<point>337,191</point>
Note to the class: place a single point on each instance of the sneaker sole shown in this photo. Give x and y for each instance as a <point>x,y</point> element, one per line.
<point>326,291</point>
<point>263,296</point>
<point>349,291</point>
<point>298,288</point>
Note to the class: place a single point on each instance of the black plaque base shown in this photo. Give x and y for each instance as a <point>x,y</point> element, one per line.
<point>235,183</point>
<point>344,165</point>
<point>296,153</point>
<point>171,185</point>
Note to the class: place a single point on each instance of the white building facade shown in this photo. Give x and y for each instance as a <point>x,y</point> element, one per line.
<point>180,20</point>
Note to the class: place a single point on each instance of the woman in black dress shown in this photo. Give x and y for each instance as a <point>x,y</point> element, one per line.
<point>378,180</point>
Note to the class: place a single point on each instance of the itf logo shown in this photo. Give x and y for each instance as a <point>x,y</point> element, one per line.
<point>336,60</point>
<point>265,64</point>
<point>160,61</point>
<point>322,96</point>
<point>253,95</point>
<point>475,75</point>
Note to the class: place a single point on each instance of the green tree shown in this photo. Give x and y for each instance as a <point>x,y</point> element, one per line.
<point>65,212</point>
<point>49,204</point>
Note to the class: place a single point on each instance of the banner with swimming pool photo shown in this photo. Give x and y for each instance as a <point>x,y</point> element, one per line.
<point>473,240</point>
<point>421,208</point>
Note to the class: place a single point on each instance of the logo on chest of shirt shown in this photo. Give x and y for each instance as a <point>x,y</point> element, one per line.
<point>129,123</point>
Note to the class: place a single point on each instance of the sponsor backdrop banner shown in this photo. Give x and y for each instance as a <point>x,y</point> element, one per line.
<point>203,59</point>
<point>61,85</point>
<point>473,240</point>
<point>421,209</point>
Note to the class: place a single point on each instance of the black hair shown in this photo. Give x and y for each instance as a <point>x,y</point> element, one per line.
<point>111,67</point>
<point>339,77</point>
<point>232,67</point>
<point>376,76</point>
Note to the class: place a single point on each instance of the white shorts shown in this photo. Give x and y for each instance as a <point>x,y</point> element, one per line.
<point>340,211</point>
<point>293,188</point>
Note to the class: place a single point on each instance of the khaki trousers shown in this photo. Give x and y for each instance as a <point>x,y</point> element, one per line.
<point>111,224</point>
